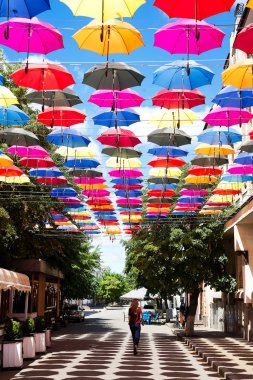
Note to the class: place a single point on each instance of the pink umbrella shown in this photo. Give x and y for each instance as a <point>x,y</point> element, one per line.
<point>194,193</point>
<point>241,169</point>
<point>70,201</point>
<point>34,151</point>
<point>119,137</point>
<point>192,204</point>
<point>227,116</point>
<point>128,173</point>
<point>116,99</point>
<point>89,181</point>
<point>30,162</point>
<point>96,193</point>
<point>129,201</point>
<point>188,36</point>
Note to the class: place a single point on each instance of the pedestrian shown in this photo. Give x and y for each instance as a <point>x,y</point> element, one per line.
<point>182,314</point>
<point>135,320</point>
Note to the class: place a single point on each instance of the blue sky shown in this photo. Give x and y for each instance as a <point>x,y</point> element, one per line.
<point>146,59</point>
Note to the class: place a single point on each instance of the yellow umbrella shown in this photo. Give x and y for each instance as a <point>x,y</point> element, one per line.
<point>97,186</point>
<point>239,75</point>
<point>230,186</point>
<point>214,150</point>
<point>163,172</point>
<point>210,212</point>
<point>249,4</point>
<point>126,163</point>
<point>17,180</point>
<point>5,160</point>
<point>158,209</point>
<point>173,118</point>
<point>104,9</point>
<point>75,152</point>
<point>200,179</point>
<point>132,218</point>
<point>221,198</point>
<point>119,37</point>
<point>7,98</point>
<point>84,213</point>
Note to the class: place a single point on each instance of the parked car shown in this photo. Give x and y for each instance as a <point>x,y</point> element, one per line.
<point>149,308</point>
<point>73,313</point>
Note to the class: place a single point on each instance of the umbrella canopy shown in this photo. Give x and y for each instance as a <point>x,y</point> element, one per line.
<point>116,119</point>
<point>167,151</point>
<point>236,178</point>
<point>128,173</point>
<point>188,37</point>
<point>12,115</point>
<point>166,162</point>
<point>121,152</point>
<point>205,179</point>
<point>88,173</point>
<point>193,192</point>
<point>89,181</point>
<point>243,40</point>
<point>239,169</point>
<point>10,171</point>
<point>239,75</point>
<point>247,146</point>
<point>82,163</point>
<point>171,136</point>
<point>165,172</point>
<point>43,76</point>
<point>59,98</point>
<point>44,172</point>
<point>52,181</point>
<point>231,96</point>
<point>7,98</point>
<point>116,99</point>
<point>31,162</point>
<point>112,76</point>
<point>220,135</point>
<point>185,75</point>
<point>190,199</point>
<point>98,186</point>
<point>160,201</point>
<point>126,181</point>
<point>96,193</point>
<point>230,186</point>
<point>128,193</point>
<point>82,152</point>
<point>178,98</point>
<point>119,138</point>
<point>5,160</point>
<point>162,186</point>
<point>126,163</point>
<point>173,117</point>
<point>18,136</point>
<point>15,180</point>
<point>226,116</point>
<point>214,150</point>
<point>69,137</point>
<point>104,9</point>
<point>163,180</point>
<point>129,201</point>
<point>34,151</point>
<point>64,192</point>
<point>110,37</point>
<point>200,170</point>
<point>127,187</point>
<point>244,158</point>
<point>161,193</point>
<point>196,9</point>
<point>23,8</point>
<point>204,160</point>
<point>61,116</point>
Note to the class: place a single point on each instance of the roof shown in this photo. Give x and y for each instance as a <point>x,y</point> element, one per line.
<point>136,293</point>
<point>14,280</point>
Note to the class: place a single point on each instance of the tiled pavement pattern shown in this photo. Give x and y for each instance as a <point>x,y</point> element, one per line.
<point>101,349</point>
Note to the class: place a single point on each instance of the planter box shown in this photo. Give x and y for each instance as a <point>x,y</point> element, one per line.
<point>29,347</point>
<point>12,354</point>
<point>48,338</point>
<point>40,342</point>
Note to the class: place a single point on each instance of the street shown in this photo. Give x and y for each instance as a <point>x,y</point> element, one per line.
<point>101,348</point>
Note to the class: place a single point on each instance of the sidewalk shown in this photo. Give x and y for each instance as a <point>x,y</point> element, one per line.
<point>230,357</point>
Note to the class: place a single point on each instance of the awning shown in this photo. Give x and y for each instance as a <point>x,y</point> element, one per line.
<point>14,280</point>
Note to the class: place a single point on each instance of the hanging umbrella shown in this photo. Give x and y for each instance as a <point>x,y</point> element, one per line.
<point>163,186</point>
<point>247,146</point>
<point>64,192</point>
<point>220,191</point>
<point>199,170</point>
<point>210,212</point>
<point>204,160</point>
<point>174,118</point>
<point>167,151</point>
<point>116,118</point>
<point>126,181</point>
<point>116,99</point>
<point>160,201</point>
<point>18,136</point>
<point>239,75</point>
<point>196,186</point>
<point>7,98</point>
<point>205,179</point>
<point>99,186</point>
<point>129,201</point>
<point>167,162</point>
<point>104,9</point>
<point>51,98</point>
<point>5,160</point>
<point>165,172</point>
<point>243,40</point>
<point>31,162</point>
<point>127,187</point>
<point>193,192</point>
<point>227,116</point>
<point>128,193</point>
<point>128,173</point>
<point>12,115</point>
<point>10,171</point>
<point>121,152</point>
<point>89,181</point>
<point>239,169</point>
<point>82,163</point>
<point>231,96</point>
<point>52,181</point>
<point>43,76</point>
<point>178,98</point>
<point>214,150</point>
<point>170,136</point>
<point>163,180</point>
<point>119,138</point>
<point>185,75</point>
<point>161,193</point>
<point>244,158</point>
<point>190,199</point>
<point>188,37</point>
<point>23,8</point>
<point>82,152</point>
<point>110,37</point>
<point>126,163</point>
<point>88,173</point>
<point>34,151</point>
<point>61,116</point>
<point>44,172</point>
<point>220,135</point>
<point>15,180</point>
<point>96,193</point>
<point>99,201</point>
<point>69,137</point>
<point>196,9</point>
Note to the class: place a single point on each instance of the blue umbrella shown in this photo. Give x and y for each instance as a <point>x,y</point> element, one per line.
<point>82,163</point>
<point>164,151</point>
<point>183,75</point>
<point>120,118</point>
<point>23,8</point>
<point>183,212</point>
<point>130,223</point>
<point>127,181</point>
<point>220,135</point>
<point>52,172</point>
<point>107,217</point>
<point>231,96</point>
<point>104,213</point>
<point>12,115</point>
<point>160,186</point>
<point>131,207</point>
<point>69,137</point>
<point>191,200</point>
<point>63,192</point>
<point>130,193</point>
<point>91,232</point>
<point>236,178</point>
<point>155,216</point>
<point>1,80</point>
<point>244,158</point>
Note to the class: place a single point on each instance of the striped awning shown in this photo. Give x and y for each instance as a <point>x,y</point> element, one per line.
<point>14,280</point>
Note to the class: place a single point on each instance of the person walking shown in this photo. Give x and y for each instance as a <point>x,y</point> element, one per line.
<point>135,320</point>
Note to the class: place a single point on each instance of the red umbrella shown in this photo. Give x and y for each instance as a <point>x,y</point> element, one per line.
<point>159,205</point>
<point>132,213</point>
<point>80,217</point>
<point>98,201</point>
<point>218,204</point>
<point>10,171</point>
<point>30,162</point>
<point>199,170</point>
<point>97,208</point>
<point>167,162</point>
<point>179,208</point>
<point>226,191</point>
<point>43,76</point>
<point>61,116</point>
<point>52,180</point>
<point>161,193</point>
<point>178,98</point>
<point>244,39</point>
<point>119,137</point>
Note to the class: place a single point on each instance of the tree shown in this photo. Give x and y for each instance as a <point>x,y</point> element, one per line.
<point>111,286</point>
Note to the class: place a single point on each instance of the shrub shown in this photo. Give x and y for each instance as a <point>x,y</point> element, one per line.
<point>28,327</point>
<point>13,330</point>
<point>40,324</point>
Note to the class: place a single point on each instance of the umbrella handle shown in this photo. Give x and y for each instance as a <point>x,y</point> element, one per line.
<point>102,28</point>
<point>7,32</point>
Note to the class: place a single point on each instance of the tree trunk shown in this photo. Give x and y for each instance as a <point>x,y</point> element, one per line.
<point>166,303</point>
<point>190,316</point>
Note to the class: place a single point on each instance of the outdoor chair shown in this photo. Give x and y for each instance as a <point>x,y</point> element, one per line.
<point>146,317</point>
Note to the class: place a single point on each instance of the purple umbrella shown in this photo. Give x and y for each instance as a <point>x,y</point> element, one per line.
<point>227,116</point>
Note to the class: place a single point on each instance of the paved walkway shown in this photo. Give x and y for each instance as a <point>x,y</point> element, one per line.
<point>101,349</point>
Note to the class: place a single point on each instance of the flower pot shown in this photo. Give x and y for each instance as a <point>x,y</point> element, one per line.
<point>29,347</point>
<point>40,342</point>
<point>12,354</point>
<point>48,338</point>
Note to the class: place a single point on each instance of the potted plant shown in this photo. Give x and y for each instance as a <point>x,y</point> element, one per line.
<point>40,335</point>
<point>12,345</point>
<point>28,340</point>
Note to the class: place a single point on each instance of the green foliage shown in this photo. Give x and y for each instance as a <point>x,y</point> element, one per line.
<point>111,286</point>
<point>13,330</point>
<point>28,327</point>
<point>39,324</point>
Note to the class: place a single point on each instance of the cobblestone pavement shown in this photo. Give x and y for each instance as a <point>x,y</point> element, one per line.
<point>101,349</point>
